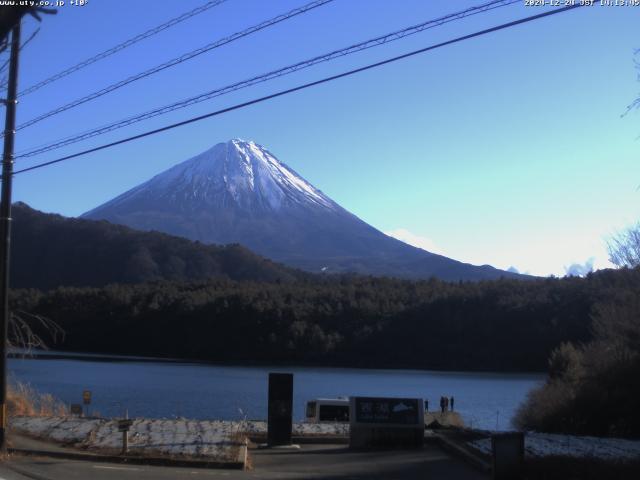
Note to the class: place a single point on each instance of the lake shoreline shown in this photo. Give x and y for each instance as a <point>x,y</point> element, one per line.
<point>168,389</point>
<point>114,358</point>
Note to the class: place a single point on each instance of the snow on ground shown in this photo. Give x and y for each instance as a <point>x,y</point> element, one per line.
<point>60,429</point>
<point>545,444</point>
<point>165,437</point>
<point>198,438</point>
<point>257,427</point>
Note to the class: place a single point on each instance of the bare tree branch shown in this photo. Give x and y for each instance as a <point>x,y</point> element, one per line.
<point>636,103</point>
<point>23,336</point>
<point>624,248</point>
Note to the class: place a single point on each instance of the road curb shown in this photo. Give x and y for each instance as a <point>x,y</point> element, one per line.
<point>25,473</point>
<point>306,439</point>
<point>454,448</point>
<point>238,464</point>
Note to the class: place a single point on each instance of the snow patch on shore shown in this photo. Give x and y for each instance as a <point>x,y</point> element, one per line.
<point>60,429</point>
<point>301,429</point>
<point>179,437</point>
<point>195,438</point>
<point>546,444</point>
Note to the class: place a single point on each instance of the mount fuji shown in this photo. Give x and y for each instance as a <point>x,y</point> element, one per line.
<point>238,192</point>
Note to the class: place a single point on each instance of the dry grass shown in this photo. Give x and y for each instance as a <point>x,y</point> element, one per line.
<point>24,400</point>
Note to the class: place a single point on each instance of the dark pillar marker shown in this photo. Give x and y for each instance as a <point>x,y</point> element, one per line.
<point>280,409</point>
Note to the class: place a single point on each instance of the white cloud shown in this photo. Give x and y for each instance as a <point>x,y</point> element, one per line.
<point>579,269</point>
<point>572,254</point>
<point>411,238</point>
<point>537,255</point>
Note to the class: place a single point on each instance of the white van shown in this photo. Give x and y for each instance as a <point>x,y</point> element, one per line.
<point>327,410</point>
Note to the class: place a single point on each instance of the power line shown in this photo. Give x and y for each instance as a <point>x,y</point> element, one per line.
<point>176,61</point>
<point>381,40</point>
<point>121,46</point>
<point>303,87</point>
<point>4,81</point>
<point>24,44</point>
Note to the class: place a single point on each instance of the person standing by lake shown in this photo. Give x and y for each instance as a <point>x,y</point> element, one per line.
<point>442,404</point>
<point>451,403</point>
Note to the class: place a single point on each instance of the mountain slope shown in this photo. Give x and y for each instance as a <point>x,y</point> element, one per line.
<point>238,192</point>
<point>50,250</point>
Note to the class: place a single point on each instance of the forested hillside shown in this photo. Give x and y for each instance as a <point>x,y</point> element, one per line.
<point>50,251</point>
<point>356,321</point>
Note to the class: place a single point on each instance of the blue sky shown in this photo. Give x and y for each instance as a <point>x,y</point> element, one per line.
<point>508,149</point>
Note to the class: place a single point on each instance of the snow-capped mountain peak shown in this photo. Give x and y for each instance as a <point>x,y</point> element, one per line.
<point>239,192</point>
<point>238,172</point>
<point>272,178</point>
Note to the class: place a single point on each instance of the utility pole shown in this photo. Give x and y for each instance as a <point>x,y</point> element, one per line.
<point>5,224</point>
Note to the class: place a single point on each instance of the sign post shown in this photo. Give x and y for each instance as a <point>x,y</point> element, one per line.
<point>124,426</point>
<point>280,416</point>
<point>86,400</point>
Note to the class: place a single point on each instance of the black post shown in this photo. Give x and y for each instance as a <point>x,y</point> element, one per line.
<point>280,409</point>
<point>5,224</point>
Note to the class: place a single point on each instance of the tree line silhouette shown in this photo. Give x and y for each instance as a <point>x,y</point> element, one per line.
<point>502,325</point>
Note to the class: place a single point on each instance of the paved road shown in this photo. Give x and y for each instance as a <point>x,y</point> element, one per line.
<point>311,461</point>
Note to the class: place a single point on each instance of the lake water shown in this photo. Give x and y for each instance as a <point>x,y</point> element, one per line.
<point>167,390</point>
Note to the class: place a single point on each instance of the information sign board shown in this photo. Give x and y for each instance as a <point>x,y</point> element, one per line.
<point>76,409</point>
<point>386,422</point>
<point>124,425</point>
<point>388,411</point>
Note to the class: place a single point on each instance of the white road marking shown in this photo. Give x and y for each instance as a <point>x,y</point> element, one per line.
<point>117,468</point>
<point>204,472</point>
